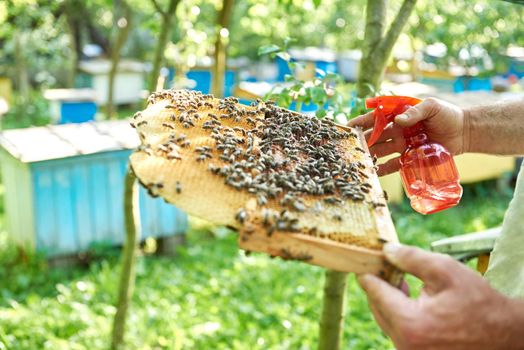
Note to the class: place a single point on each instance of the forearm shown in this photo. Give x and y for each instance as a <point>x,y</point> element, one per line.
<point>514,326</point>
<point>495,129</point>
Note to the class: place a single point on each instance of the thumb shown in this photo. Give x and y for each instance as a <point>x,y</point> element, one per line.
<point>424,110</point>
<point>435,270</point>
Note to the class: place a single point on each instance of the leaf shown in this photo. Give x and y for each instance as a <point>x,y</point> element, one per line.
<point>271,94</point>
<point>321,113</point>
<point>284,55</point>
<point>288,40</point>
<point>289,78</point>
<point>338,99</point>
<point>296,86</point>
<point>284,100</point>
<point>333,77</point>
<point>317,3</point>
<point>318,95</point>
<point>371,88</point>
<point>300,65</point>
<point>268,49</point>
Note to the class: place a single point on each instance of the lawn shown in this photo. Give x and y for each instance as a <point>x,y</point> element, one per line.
<point>210,296</point>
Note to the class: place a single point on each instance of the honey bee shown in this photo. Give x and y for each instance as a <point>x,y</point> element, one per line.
<point>241,216</point>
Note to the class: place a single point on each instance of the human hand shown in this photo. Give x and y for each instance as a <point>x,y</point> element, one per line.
<point>457,309</point>
<point>444,124</point>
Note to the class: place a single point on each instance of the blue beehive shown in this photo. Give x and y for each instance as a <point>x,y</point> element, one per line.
<point>64,187</point>
<point>466,83</point>
<point>516,67</point>
<point>202,80</point>
<point>315,60</point>
<point>71,105</point>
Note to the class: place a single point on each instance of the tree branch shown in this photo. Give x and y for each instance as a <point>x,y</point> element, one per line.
<point>225,14</point>
<point>127,276</point>
<point>375,19</point>
<point>96,35</point>
<point>396,27</point>
<point>171,10</point>
<point>376,53</point>
<point>219,68</point>
<point>118,43</point>
<point>158,8</point>
<point>369,71</point>
<point>333,311</point>
<point>163,38</point>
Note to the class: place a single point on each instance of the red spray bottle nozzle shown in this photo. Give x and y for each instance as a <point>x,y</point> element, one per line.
<point>386,108</point>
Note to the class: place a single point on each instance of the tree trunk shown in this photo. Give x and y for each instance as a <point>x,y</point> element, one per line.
<point>414,61</point>
<point>333,310</point>
<point>121,38</point>
<point>127,276</point>
<point>165,30</point>
<point>370,73</point>
<point>219,68</point>
<point>74,12</point>
<point>22,75</point>
<point>96,36</point>
<point>376,51</point>
<point>377,46</point>
<point>159,54</point>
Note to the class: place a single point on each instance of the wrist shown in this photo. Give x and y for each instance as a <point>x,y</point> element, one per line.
<point>466,130</point>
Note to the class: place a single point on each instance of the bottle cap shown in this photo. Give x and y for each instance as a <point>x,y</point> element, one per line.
<point>386,109</point>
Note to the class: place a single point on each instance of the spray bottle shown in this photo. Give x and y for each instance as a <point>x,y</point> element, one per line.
<point>428,172</point>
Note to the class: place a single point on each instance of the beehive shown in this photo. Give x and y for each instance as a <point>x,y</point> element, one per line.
<point>294,186</point>
<point>64,188</point>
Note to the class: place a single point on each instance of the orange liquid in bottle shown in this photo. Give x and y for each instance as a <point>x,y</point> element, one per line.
<point>429,174</point>
<point>428,171</point>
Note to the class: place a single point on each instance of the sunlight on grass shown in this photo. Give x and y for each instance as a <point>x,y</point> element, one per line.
<point>211,296</point>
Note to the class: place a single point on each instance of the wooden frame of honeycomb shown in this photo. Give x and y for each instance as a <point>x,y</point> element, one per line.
<point>293,186</point>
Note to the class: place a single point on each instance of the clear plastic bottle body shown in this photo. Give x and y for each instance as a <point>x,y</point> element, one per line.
<point>429,175</point>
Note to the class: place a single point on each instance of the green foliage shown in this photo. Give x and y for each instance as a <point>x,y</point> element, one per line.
<point>268,49</point>
<point>482,206</point>
<point>335,99</point>
<point>25,113</point>
<point>480,30</point>
<point>210,296</point>
<point>2,209</point>
<point>44,44</point>
<point>334,24</point>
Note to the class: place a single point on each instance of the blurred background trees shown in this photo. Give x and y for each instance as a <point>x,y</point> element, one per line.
<point>45,44</point>
<point>474,35</point>
<point>39,38</point>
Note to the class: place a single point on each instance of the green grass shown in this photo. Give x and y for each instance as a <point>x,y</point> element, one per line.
<point>209,297</point>
<point>482,206</point>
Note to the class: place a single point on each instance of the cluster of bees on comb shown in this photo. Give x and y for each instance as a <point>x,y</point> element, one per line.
<point>289,162</point>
